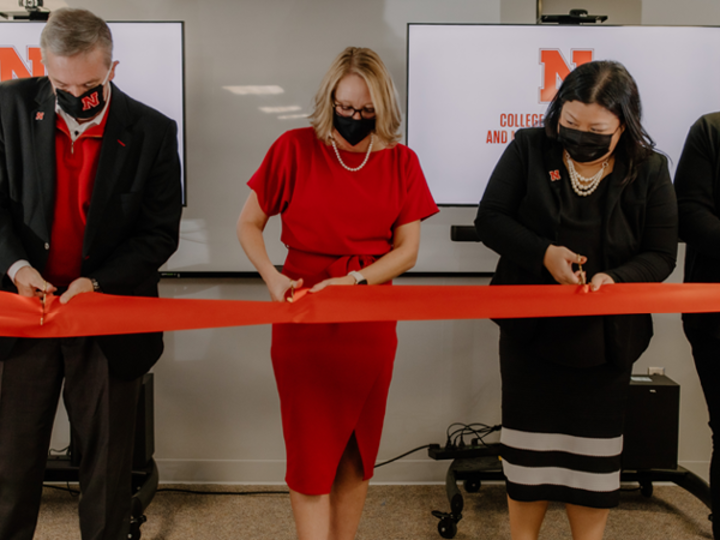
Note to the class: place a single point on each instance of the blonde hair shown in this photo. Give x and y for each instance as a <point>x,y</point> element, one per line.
<point>367,64</point>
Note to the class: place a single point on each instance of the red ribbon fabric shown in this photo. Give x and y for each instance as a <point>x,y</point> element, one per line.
<point>94,314</point>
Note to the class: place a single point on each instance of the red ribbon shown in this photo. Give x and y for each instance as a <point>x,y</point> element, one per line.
<point>97,314</point>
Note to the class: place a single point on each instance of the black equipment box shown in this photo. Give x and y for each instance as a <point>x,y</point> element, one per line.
<point>651,423</point>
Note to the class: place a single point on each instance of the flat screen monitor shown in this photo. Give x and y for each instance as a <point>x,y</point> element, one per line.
<point>470,87</point>
<point>151,66</point>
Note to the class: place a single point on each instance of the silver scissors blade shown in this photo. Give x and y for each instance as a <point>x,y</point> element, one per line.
<point>42,301</point>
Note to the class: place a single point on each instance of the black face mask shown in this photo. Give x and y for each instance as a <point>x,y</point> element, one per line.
<point>85,106</point>
<point>353,131</point>
<point>584,146</point>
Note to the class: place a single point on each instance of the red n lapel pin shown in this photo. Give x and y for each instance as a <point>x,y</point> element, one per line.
<point>554,175</point>
<point>39,115</point>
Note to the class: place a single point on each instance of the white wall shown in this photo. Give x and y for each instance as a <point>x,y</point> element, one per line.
<point>217,414</point>
<point>688,12</point>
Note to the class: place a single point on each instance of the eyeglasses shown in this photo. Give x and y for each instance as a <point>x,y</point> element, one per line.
<point>348,111</point>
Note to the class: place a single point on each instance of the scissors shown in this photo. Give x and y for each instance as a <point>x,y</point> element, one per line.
<point>583,280</point>
<point>295,296</point>
<point>42,301</point>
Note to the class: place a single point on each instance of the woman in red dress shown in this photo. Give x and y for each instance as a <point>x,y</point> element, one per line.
<point>351,199</point>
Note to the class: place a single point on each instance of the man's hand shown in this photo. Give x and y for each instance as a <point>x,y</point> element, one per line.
<point>79,286</point>
<point>30,283</point>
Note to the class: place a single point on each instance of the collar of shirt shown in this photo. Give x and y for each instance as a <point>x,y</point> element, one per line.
<point>76,128</point>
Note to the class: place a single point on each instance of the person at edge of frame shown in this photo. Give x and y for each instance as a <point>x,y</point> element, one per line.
<point>90,202</point>
<point>697,185</point>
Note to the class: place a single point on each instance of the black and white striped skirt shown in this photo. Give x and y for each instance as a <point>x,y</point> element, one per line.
<point>562,429</point>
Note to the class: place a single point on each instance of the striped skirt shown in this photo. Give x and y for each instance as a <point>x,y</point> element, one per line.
<point>562,428</point>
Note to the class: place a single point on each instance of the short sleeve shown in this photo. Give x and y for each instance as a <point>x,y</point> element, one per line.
<point>273,182</point>
<point>419,203</point>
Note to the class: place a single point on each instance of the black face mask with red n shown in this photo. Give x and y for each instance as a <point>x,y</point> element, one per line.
<point>85,106</point>
<point>584,146</point>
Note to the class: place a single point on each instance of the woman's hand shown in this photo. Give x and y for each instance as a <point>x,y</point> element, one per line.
<point>250,227</point>
<point>279,285</point>
<point>559,260</point>
<point>345,280</point>
<point>599,280</point>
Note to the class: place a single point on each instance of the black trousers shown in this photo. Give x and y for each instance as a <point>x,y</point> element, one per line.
<point>706,351</point>
<point>101,409</point>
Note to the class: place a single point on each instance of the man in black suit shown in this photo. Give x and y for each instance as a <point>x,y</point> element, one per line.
<point>90,201</point>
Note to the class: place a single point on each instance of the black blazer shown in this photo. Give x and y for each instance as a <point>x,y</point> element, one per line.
<point>697,184</point>
<point>133,221</point>
<point>519,217</point>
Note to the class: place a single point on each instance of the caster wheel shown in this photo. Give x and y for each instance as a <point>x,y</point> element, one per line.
<point>447,528</point>
<point>134,532</point>
<point>646,488</point>
<point>472,485</point>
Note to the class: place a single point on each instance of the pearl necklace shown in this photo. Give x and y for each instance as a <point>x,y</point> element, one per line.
<point>581,185</point>
<point>367,156</point>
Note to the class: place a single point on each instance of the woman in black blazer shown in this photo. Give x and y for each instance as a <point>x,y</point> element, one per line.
<point>585,197</point>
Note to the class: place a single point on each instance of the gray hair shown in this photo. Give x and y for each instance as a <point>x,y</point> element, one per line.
<point>71,31</point>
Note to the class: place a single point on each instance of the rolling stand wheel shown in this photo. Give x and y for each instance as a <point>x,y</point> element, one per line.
<point>472,485</point>
<point>447,528</point>
<point>646,489</point>
<point>135,524</point>
<point>137,518</point>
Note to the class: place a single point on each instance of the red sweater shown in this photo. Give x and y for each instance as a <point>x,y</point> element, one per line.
<point>75,169</point>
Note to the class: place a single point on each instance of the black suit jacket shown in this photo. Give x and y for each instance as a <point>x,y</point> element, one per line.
<point>519,217</point>
<point>697,184</point>
<point>133,220</point>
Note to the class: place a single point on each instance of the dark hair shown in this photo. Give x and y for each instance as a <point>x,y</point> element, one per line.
<point>608,84</point>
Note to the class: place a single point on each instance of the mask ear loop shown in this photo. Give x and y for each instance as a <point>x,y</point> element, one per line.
<point>107,76</point>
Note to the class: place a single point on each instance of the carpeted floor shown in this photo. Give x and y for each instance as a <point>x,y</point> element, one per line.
<point>391,513</point>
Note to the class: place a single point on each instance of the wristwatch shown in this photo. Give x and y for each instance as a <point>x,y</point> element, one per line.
<point>359,278</point>
<point>96,285</point>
